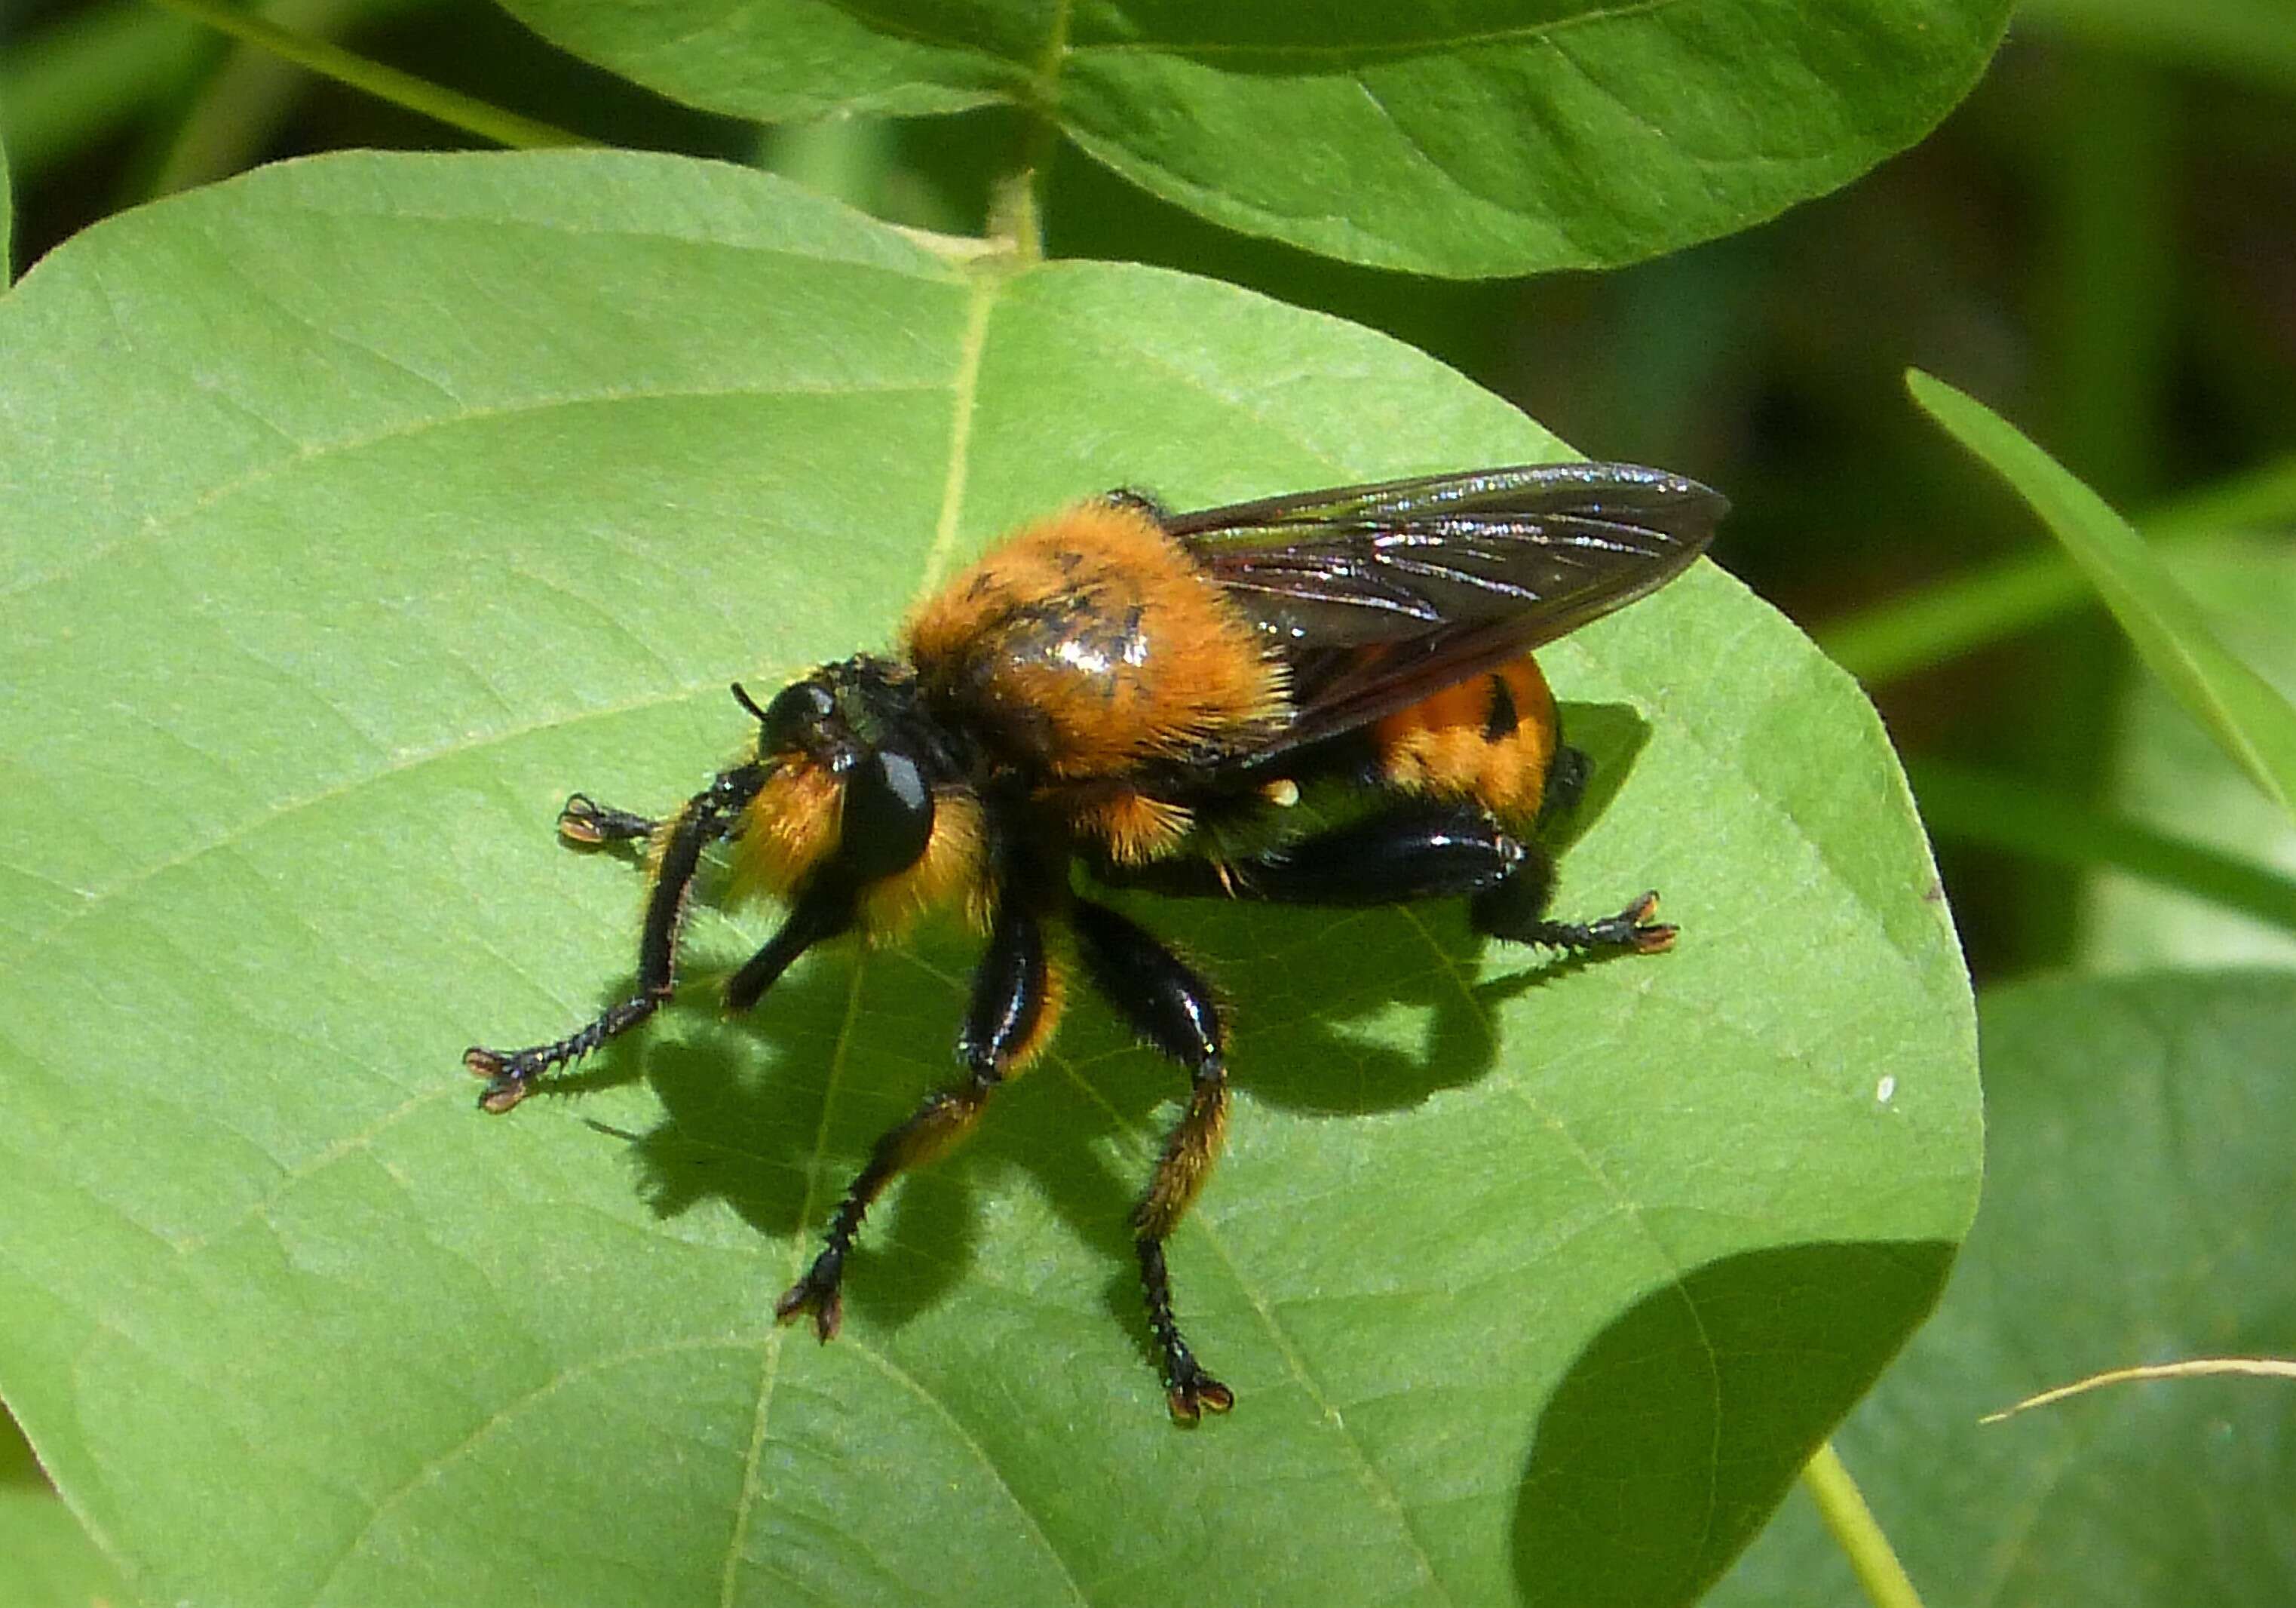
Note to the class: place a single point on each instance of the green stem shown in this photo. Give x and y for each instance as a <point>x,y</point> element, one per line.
<point>1979,808</point>
<point>1854,1531</point>
<point>1014,222</point>
<point>451,107</point>
<point>844,156</point>
<point>1016,207</point>
<point>248,93</point>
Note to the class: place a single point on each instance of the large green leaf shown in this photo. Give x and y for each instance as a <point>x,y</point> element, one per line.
<point>356,510</point>
<point>1459,137</point>
<point>2136,1198</point>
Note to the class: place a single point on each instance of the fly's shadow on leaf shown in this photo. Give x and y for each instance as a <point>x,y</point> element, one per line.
<point>773,1112</point>
<point>1613,736</point>
<point>1736,1372</point>
<point>1302,981</point>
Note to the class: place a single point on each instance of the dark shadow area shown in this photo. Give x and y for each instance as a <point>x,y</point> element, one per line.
<point>748,1102</point>
<point>20,1470</point>
<point>1613,736</point>
<point>1678,1432</point>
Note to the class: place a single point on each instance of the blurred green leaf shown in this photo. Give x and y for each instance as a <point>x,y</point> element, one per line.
<point>380,501</point>
<point>236,111</point>
<point>2248,716</point>
<point>2168,773</point>
<point>1927,626</point>
<point>2246,38</point>
<point>83,76</point>
<point>2002,812</point>
<point>267,32</point>
<point>1463,139</point>
<point>1964,612</point>
<point>2137,1186</point>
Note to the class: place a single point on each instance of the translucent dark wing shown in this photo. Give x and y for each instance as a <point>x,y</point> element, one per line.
<point>1380,594</point>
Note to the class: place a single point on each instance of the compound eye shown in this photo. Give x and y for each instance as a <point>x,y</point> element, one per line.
<point>796,709</point>
<point>888,814</point>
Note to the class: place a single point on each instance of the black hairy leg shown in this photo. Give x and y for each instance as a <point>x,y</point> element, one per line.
<point>1016,998</point>
<point>823,911</point>
<point>511,1074</point>
<point>1516,909</point>
<point>1170,1007</point>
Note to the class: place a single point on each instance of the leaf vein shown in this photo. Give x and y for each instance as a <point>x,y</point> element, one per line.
<point>432,1467</point>
<point>769,1364</point>
<point>972,1444</point>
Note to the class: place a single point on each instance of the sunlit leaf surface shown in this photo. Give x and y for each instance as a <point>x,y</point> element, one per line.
<point>358,510</point>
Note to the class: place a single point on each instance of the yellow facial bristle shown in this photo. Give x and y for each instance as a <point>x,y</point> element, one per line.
<point>788,829</point>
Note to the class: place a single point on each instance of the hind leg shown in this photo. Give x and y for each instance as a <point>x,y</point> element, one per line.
<point>1413,851</point>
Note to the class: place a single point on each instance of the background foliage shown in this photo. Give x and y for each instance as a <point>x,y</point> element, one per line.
<point>293,1324</point>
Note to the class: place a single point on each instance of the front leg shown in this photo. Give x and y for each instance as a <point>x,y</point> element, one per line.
<point>584,820</point>
<point>511,1074</point>
<point>1016,1000</point>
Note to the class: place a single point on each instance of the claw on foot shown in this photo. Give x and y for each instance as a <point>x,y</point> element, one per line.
<point>817,1293</point>
<point>1196,1394</point>
<point>581,821</point>
<point>507,1083</point>
<point>1641,935</point>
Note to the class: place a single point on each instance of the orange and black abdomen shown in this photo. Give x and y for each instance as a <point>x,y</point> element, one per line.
<point>1491,738</point>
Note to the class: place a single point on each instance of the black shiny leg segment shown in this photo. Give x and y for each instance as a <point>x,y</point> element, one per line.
<point>511,1074</point>
<point>1415,851</point>
<point>1516,910</point>
<point>1006,1020</point>
<point>821,912</point>
<point>1171,1007</point>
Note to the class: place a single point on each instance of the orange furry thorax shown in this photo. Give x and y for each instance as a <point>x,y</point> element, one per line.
<point>1089,644</point>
